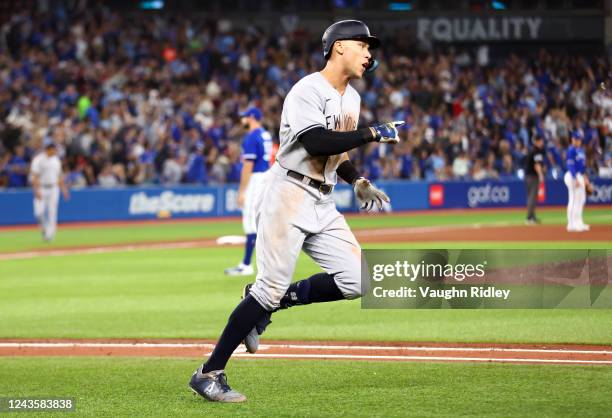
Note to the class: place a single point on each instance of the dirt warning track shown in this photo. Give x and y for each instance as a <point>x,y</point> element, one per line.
<point>472,233</point>
<point>353,350</point>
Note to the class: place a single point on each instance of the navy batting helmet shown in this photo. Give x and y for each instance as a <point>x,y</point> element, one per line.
<point>347,29</point>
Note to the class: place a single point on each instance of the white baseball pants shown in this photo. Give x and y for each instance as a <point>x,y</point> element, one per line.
<point>292,217</point>
<point>45,210</point>
<point>576,201</point>
<point>252,199</point>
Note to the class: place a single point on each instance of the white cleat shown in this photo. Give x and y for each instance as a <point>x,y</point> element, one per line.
<point>584,227</point>
<point>240,270</point>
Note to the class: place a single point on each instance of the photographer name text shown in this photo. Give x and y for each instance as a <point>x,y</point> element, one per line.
<point>405,292</point>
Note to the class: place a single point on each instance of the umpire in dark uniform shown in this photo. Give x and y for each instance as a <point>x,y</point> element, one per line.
<point>534,174</point>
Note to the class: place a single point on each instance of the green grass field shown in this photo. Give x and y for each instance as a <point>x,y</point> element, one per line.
<point>183,293</point>
<point>20,240</point>
<point>129,387</point>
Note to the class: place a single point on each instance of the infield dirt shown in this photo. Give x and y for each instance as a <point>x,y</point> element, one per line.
<point>322,350</point>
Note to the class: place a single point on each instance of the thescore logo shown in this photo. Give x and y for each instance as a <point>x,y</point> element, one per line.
<point>479,195</point>
<point>601,194</point>
<point>168,202</point>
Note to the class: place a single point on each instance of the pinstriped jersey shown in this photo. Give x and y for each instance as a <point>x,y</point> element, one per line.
<point>313,102</point>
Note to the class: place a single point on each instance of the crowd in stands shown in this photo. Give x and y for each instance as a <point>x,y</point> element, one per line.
<point>151,99</point>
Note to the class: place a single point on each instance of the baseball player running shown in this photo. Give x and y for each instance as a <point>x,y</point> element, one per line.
<point>47,180</point>
<point>576,181</point>
<point>256,154</point>
<point>318,127</point>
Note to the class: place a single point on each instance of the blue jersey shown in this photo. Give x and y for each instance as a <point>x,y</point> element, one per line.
<point>257,147</point>
<point>196,169</point>
<point>16,168</point>
<point>575,160</point>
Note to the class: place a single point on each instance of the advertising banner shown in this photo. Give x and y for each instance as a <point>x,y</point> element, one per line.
<point>97,204</point>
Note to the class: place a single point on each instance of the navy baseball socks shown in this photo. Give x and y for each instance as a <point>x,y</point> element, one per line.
<point>249,246</point>
<point>246,323</point>
<point>249,314</point>
<point>246,315</point>
<point>320,287</point>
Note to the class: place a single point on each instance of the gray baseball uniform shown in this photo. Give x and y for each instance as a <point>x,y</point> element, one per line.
<point>49,172</point>
<point>294,215</point>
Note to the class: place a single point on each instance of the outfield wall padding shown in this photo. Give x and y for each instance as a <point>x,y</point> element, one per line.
<point>134,203</point>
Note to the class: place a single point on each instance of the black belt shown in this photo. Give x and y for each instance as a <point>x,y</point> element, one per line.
<point>319,185</point>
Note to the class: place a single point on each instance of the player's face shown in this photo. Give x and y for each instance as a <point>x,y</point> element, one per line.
<point>356,57</point>
<point>244,121</point>
<point>577,142</point>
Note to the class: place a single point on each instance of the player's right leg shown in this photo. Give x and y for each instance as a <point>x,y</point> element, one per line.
<point>581,201</point>
<point>245,268</point>
<point>46,213</point>
<point>336,250</point>
<point>39,213</point>
<point>571,201</point>
<point>279,242</point>
<point>52,204</point>
<point>249,210</point>
<point>532,195</point>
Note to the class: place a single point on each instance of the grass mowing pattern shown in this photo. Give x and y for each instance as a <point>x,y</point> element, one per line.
<point>129,387</point>
<point>183,293</point>
<point>90,236</point>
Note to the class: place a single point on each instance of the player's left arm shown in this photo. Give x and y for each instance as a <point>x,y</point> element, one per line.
<point>346,170</point>
<point>250,151</point>
<point>540,171</point>
<point>583,169</point>
<point>245,177</point>
<point>588,186</point>
<point>367,194</point>
<point>63,187</point>
<point>539,165</point>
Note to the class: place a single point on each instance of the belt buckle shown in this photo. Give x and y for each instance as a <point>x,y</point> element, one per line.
<point>325,188</point>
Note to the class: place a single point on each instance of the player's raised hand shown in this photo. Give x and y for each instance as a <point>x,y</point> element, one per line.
<point>368,195</point>
<point>387,132</point>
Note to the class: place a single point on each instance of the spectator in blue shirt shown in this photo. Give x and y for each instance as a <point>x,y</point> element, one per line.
<point>17,168</point>
<point>196,166</point>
